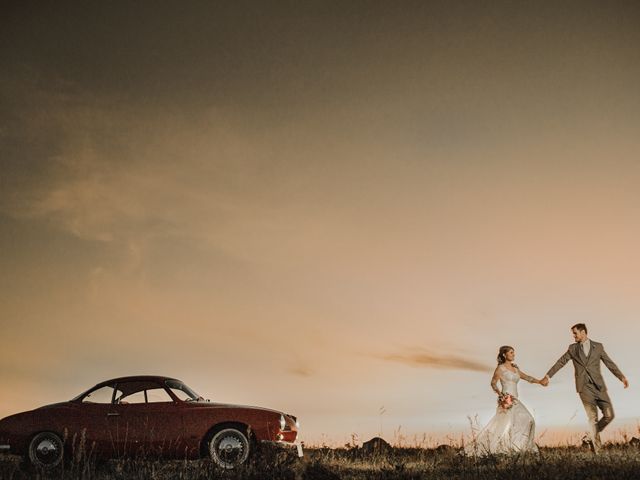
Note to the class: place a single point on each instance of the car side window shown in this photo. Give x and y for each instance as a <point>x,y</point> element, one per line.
<point>158,395</point>
<point>136,392</point>
<point>137,397</point>
<point>100,395</point>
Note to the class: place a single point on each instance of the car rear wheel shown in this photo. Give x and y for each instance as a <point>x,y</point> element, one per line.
<point>229,448</point>
<point>46,450</point>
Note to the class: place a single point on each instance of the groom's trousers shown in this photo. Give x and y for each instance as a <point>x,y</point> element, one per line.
<point>592,399</point>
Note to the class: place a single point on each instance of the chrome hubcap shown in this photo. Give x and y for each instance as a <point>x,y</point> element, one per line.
<point>47,451</point>
<point>229,449</point>
<point>230,446</point>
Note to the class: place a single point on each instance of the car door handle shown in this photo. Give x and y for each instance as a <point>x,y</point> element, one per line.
<point>113,414</point>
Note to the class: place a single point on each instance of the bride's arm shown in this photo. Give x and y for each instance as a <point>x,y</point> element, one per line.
<point>527,378</point>
<point>494,381</point>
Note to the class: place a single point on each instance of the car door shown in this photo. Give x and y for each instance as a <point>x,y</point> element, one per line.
<point>165,425</point>
<point>147,421</point>
<point>95,436</point>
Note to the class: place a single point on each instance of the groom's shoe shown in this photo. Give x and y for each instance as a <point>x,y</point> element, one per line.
<point>597,443</point>
<point>588,443</point>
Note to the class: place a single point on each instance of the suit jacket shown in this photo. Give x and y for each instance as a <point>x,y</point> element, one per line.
<point>587,368</point>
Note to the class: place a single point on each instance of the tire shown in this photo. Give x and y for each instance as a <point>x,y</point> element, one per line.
<point>46,450</point>
<point>229,447</point>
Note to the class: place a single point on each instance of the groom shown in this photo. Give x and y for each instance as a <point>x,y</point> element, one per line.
<point>586,355</point>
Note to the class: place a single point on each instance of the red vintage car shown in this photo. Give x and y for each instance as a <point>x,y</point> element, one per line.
<point>145,415</point>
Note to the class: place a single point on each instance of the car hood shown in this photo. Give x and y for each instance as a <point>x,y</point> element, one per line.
<point>234,406</point>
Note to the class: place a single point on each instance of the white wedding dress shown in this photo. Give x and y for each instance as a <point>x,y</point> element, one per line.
<point>509,431</point>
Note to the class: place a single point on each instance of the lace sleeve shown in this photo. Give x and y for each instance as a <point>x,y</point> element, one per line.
<point>525,377</point>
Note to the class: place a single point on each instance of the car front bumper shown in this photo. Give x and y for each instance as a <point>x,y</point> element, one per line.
<point>5,448</point>
<point>285,445</point>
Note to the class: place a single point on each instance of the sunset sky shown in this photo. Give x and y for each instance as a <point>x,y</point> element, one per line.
<point>320,207</point>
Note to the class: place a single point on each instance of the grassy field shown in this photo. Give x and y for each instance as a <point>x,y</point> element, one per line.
<point>619,461</point>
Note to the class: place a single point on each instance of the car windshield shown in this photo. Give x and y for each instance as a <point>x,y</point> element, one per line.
<point>183,392</point>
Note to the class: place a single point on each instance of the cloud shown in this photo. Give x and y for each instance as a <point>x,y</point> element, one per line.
<point>425,359</point>
<point>300,371</point>
<point>130,177</point>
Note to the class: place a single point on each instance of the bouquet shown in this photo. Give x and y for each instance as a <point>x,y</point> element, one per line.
<point>506,401</point>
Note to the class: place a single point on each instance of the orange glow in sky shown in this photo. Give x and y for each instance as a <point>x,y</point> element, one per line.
<point>321,210</point>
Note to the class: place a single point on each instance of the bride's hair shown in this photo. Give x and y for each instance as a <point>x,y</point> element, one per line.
<point>502,354</point>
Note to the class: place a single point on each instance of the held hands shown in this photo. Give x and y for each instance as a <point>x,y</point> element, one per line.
<point>545,382</point>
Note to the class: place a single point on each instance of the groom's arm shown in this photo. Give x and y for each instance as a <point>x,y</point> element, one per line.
<point>613,368</point>
<point>562,361</point>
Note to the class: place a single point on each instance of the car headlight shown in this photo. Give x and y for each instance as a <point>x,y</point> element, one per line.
<point>283,422</point>
<point>297,423</point>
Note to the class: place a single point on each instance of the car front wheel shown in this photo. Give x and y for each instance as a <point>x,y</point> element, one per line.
<point>229,448</point>
<point>46,450</point>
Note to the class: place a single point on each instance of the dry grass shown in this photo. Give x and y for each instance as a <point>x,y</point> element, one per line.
<point>616,461</point>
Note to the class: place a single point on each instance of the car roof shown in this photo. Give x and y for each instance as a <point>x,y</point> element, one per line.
<point>138,378</point>
<point>135,378</point>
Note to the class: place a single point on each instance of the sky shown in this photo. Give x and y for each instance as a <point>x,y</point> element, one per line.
<point>340,210</point>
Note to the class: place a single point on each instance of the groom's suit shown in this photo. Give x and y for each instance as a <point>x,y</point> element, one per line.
<point>587,368</point>
<point>590,384</point>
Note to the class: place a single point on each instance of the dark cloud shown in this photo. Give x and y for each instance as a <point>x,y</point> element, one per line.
<point>421,358</point>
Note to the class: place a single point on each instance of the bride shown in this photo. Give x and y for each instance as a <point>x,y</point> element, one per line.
<point>512,429</point>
